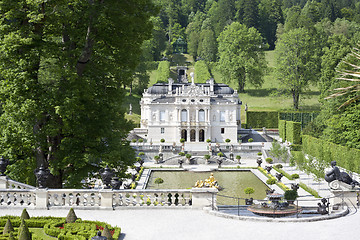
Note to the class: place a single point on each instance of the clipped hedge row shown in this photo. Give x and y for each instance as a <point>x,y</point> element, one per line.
<point>293,132</point>
<point>348,158</point>
<point>302,117</point>
<point>57,227</point>
<point>261,119</point>
<point>163,72</point>
<point>202,73</point>
<point>282,129</point>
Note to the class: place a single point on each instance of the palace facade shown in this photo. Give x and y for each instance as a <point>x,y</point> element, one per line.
<point>194,112</point>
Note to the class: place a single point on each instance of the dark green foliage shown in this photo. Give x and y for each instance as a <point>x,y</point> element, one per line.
<point>262,119</point>
<point>25,214</point>
<point>11,237</point>
<point>290,195</point>
<point>293,132</point>
<point>278,166</point>
<point>295,147</point>
<point>303,117</point>
<point>8,227</point>
<point>71,217</point>
<point>62,84</point>
<point>295,176</point>
<point>106,233</point>
<point>326,152</point>
<point>282,129</point>
<point>24,233</point>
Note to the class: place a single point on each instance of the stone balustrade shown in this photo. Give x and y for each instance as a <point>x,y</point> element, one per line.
<point>107,199</point>
<point>7,183</point>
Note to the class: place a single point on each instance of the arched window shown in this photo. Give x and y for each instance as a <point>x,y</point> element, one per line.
<point>201,135</point>
<point>201,115</point>
<point>192,135</point>
<point>184,115</point>
<point>184,134</point>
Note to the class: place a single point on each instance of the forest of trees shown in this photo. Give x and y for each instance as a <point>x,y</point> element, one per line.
<point>65,66</point>
<point>311,38</point>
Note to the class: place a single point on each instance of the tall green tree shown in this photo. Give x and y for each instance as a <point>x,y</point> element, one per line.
<point>241,55</point>
<point>297,62</point>
<point>270,15</point>
<point>62,67</point>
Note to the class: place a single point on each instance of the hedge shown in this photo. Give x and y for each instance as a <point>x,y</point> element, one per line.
<point>163,72</point>
<point>202,73</point>
<point>282,129</point>
<point>261,119</point>
<point>293,132</point>
<point>348,158</point>
<point>302,117</point>
<point>56,227</point>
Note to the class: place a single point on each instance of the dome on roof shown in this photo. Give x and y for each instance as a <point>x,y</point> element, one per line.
<point>223,89</point>
<point>158,89</point>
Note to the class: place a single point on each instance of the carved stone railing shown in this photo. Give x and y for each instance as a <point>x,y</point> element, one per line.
<point>158,198</point>
<point>106,198</point>
<point>7,183</point>
<point>17,198</point>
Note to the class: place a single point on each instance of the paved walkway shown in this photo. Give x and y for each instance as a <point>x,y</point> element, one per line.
<point>190,224</point>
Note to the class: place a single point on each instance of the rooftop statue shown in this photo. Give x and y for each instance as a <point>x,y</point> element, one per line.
<point>335,178</point>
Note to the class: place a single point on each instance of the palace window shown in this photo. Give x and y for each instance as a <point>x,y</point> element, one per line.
<point>222,116</point>
<point>184,115</point>
<point>162,130</point>
<point>201,115</point>
<point>162,116</point>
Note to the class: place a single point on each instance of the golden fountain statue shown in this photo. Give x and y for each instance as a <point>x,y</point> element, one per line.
<point>208,183</point>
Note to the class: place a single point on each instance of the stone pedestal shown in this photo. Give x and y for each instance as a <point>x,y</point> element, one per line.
<point>42,199</point>
<point>348,197</point>
<point>203,197</point>
<point>106,198</point>
<point>3,182</point>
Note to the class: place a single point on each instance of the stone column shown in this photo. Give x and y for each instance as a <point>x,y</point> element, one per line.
<point>203,197</point>
<point>42,199</point>
<point>106,198</point>
<point>3,182</point>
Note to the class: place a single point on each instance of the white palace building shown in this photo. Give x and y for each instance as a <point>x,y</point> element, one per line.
<point>192,111</point>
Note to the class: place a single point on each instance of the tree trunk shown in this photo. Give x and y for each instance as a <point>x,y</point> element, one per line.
<point>295,95</point>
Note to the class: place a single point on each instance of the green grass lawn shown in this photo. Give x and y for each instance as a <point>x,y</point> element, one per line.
<point>266,98</point>
<point>41,233</point>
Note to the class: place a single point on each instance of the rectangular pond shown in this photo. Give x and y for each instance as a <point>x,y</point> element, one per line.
<point>232,182</point>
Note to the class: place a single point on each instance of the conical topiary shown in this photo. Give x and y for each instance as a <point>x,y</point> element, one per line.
<point>106,233</point>
<point>8,227</point>
<point>25,214</point>
<point>24,233</point>
<point>11,237</point>
<point>71,217</point>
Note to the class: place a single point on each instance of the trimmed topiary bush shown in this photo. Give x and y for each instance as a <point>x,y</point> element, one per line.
<point>71,217</point>
<point>290,195</point>
<point>24,233</point>
<point>11,237</point>
<point>249,190</point>
<point>8,227</point>
<point>279,166</point>
<point>295,176</point>
<point>259,153</point>
<point>25,214</point>
<point>250,140</point>
<point>106,233</point>
<point>271,181</point>
<point>269,160</point>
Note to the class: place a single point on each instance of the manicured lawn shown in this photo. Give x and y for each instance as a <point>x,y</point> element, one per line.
<point>40,233</point>
<point>266,98</point>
